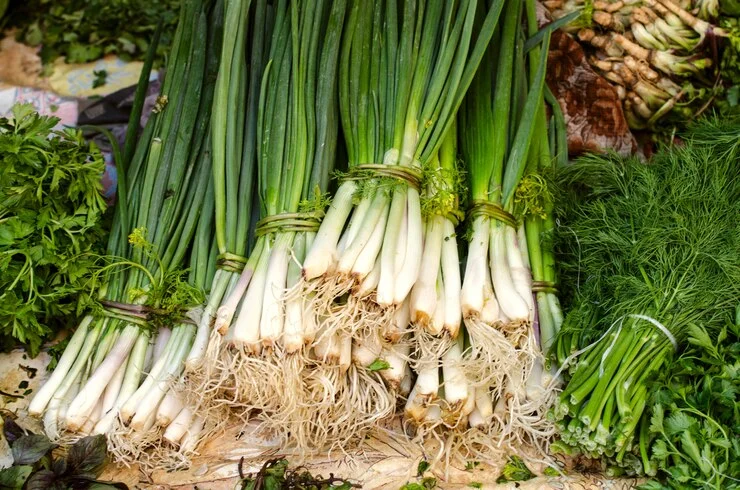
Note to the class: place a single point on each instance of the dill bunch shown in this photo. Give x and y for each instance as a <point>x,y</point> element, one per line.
<point>648,252</point>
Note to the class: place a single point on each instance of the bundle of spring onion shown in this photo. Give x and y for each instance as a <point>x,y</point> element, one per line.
<point>474,389</point>
<point>233,142</point>
<point>498,122</point>
<point>140,326</point>
<point>435,305</point>
<point>655,52</point>
<point>261,355</point>
<point>651,254</point>
<point>397,103</point>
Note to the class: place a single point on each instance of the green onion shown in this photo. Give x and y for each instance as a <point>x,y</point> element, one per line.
<point>167,185</point>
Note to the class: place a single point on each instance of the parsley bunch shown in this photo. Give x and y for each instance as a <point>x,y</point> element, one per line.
<point>51,213</point>
<point>695,417</point>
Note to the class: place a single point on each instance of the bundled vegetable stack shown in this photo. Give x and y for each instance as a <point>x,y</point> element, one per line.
<point>503,135</point>
<point>51,225</point>
<point>320,326</point>
<point>365,265</point>
<point>650,253</point>
<point>113,368</point>
<point>661,55</point>
<point>257,355</point>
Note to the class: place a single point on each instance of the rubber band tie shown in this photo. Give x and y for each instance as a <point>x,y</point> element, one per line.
<point>287,222</point>
<point>491,210</point>
<point>544,287</point>
<point>231,262</point>
<point>409,175</point>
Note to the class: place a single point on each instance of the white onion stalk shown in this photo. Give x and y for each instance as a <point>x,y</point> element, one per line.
<point>476,419</point>
<point>57,408</point>
<point>161,366</point>
<point>160,342</point>
<point>169,408</point>
<point>454,379</point>
<point>272,320</point>
<point>192,436</point>
<point>520,273</point>
<point>452,281</point>
<point>177,429</point>
<point>369,235</point>
<point>396,355</point>
<point>484,404</point>
<point>368,258</point>
<point>157,390</point>
<point>477,270</point>
<point>424,294</point>
<point>77,352</point>
<point>85,401</point>
<point>299,323</point>
<point>129,385</point>
<point>399,323</point>
<point>246,327</point>
<point>437,322</point>
<point>322,256</point>
<point>113,389</point>
<point>423,393</point>
<point>82,338</point>
<point>510,301</point>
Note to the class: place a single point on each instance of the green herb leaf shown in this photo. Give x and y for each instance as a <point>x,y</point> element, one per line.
<point>30,449</point>
<point>378,365</point>
<point>84,30</point>
<point>11,430</point>
<point>88,456</point>
<point>107,486</point>
<point>101,76</point>
<point>44,480</point>
<point>515,470</point>
<point>51,228</point>
<point>15,476</point>
<point>423,466</point>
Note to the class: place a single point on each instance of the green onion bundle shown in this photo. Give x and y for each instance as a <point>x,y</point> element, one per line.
<point>496,293</point>
<point>162,194</point>
<point>501,125</point>
<point>259,345</point>
<point>233,140</point>
<point>397,103</point>
<point>435,306</point>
